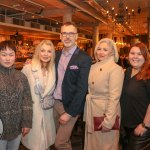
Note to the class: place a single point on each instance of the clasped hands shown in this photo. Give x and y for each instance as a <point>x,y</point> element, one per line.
<point>103,128</point>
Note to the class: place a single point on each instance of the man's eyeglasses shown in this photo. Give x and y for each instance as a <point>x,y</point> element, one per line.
<point>70,34</point>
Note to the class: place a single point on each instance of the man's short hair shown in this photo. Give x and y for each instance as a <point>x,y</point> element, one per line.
<point>68,24</point>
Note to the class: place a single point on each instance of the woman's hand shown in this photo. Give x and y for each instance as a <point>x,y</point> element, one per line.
<point>139,130</point>
<point>103,128</point>
<point>25,131</point>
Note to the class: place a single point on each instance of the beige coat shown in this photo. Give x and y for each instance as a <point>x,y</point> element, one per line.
<point>105,85</point>
<point>42,134</point>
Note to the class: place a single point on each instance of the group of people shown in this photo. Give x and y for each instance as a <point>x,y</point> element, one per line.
<point>69,79</point>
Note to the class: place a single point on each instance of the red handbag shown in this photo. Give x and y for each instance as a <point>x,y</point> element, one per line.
<point>99,120</point>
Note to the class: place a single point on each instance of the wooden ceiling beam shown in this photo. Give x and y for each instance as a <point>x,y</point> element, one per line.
<point>92,24</point>
<point>57,12</point>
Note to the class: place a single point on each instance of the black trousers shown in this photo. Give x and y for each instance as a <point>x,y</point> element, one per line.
<point>130,141</point>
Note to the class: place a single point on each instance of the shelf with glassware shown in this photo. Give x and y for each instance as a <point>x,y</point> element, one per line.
<point>23,53</point>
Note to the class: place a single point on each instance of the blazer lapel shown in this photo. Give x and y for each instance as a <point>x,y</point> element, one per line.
<point>58,55</point>
<point>75,54</point>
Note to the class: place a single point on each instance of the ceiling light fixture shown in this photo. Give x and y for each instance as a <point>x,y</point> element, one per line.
<point>122,16</point>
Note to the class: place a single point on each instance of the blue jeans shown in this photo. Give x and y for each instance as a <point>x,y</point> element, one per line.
<point>10,145</point>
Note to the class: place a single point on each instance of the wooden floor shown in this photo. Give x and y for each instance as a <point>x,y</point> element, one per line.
<point>77,144</point>
<point>77,138</point>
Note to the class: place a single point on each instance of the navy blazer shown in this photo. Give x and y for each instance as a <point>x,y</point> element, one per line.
<point>75,82</point>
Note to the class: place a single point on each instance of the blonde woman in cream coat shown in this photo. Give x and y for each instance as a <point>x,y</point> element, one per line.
<point>42,134</point>
<point>105,85</point>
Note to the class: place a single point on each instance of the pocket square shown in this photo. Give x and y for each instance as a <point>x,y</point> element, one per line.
<point>73,67</point>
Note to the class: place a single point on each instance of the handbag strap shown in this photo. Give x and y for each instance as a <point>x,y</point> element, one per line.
<point>37,82</point>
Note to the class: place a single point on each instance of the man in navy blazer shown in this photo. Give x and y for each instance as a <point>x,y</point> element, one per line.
<point>72,70</point>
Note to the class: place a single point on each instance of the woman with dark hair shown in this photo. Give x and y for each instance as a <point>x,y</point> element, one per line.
<point>135,99</point>
<point>15,100</point>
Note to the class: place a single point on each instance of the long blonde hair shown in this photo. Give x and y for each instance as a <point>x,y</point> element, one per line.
<point>36,58</point>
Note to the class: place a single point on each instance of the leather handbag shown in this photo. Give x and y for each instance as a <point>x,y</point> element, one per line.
<point>99,120</point>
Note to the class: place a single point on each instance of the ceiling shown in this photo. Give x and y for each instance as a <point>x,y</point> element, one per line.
<point>85,13</point>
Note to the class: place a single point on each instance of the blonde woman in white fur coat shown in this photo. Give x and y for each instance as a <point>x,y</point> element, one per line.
<point>42,134</point>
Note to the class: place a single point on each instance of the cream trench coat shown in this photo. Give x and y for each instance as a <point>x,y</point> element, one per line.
<point>42,134</point>
<point>105,85</point>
